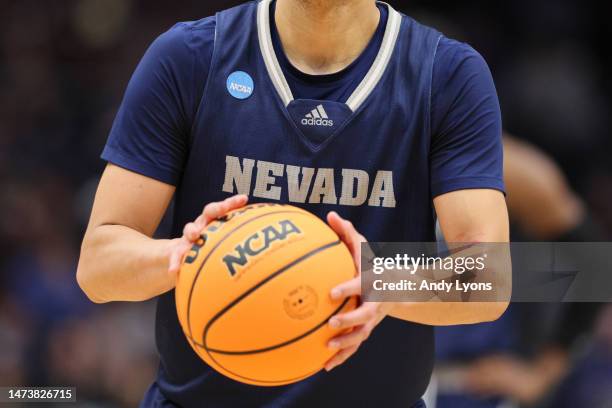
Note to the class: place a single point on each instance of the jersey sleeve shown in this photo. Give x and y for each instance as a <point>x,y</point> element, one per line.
<point>466,148</point>
<point>150,134</point>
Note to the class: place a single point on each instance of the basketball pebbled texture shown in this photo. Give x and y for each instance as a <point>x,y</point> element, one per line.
<point>253,298</point>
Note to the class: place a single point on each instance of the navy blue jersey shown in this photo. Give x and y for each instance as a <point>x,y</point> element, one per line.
<point>209,110</point>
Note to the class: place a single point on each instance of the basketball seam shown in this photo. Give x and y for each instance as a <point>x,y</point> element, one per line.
<point>283,344</point>
<point>270,383</point>
<point>283,269</point>
<point>237,300</point>
<point>195,280</point>
<point>257,286</point>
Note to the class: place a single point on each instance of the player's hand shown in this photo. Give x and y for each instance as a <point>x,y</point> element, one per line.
<point>192,230</point>
<point>362,320</point>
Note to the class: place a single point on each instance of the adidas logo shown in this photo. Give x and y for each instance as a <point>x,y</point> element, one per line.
<point>317,117</point>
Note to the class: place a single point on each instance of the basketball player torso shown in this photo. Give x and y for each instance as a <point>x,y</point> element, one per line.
<point>367,159</point>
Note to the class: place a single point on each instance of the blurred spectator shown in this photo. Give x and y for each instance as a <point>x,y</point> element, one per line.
<point>588,385</point>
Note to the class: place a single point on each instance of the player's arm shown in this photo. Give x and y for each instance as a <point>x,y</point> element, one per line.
<point>147,146</point>
<point>119,258</point>
<point>465,172</point>
<point>478,215</point>
<point>466,158</point>
<point>466,216</point>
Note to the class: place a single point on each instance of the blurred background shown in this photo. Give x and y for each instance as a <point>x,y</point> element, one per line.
<point>63,68</point>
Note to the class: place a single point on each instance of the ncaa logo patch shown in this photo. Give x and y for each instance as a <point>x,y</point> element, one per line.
<point>240,85</point>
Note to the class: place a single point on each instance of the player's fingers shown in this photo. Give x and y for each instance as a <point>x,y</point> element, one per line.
<point>354,338</point>
<point>218,209</point>
<point>200,222</point>
<point>233,203</point>
<point>344,228</point>
<point>348,234</point>
<point>213,211</point>
<point>357,317</point>
<point>176,256</point>
<point>336,223</point>
<point>340,357</point>
<point>349,288</point>
<point>191,231</point>
<point>175,262</point>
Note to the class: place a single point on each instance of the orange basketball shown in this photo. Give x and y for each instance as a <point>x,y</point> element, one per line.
<point>253,294</point>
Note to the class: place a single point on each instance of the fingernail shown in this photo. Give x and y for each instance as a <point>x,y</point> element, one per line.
<point>336,294</point>
<point>329,368</point>
<point>334,344</point>
<point>335,323</point>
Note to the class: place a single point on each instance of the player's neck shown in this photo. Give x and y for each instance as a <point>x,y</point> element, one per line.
<point>325,36</point>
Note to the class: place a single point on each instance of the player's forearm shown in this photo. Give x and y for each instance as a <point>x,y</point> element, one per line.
<point>449,313</point>
<point>432,306</point>
<point>118,263</point>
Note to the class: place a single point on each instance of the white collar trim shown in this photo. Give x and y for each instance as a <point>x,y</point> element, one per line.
<point>368,82</point>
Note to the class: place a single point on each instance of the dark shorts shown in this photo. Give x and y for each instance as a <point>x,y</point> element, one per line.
<point>154,399</point>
